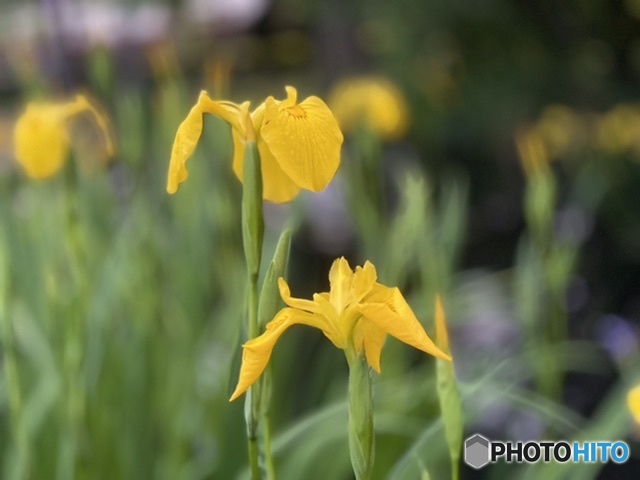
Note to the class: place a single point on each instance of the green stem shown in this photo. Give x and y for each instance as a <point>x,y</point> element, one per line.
<point>252,237</point>
<point>73,412</point>
<point>361,433</point>
<point>254,458</point>
<point>265,437</point>
<point>252,402</point>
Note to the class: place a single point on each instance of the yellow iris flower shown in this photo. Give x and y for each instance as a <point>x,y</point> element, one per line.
<point>42,139</point>
<point>633,402</point>
<point>356,315</point>
<point>299,144</point>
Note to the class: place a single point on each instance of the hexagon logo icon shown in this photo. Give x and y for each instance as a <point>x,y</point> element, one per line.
<point>476,451</point>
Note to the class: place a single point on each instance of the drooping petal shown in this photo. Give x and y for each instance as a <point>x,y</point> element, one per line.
<point>82,104</point>
<point>238,153</point>
<point>190,129</point>
<point>370,337</point>
<point>277,186</point>
<point>388,309</point>
<point>184,144</point>
<point>41,139</point>
<point>257,352</point>
<point>304,139</point>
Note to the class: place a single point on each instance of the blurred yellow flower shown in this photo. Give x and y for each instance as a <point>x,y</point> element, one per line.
<point>41,137</point>
<point>560,128</point>
<point>375,102</point>
<point>633,401</point>
<point>532,151</point>
<point>618,130</point>
<point>299,144</point>
<point>355,315</point>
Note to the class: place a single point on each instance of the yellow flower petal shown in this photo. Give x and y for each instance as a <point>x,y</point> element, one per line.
<point>364,278</point>
<point>41,139</point>
<point>299,303</point>
<point>277,186</point>
<point>320,306</point>
<point>370,337</point>
<point>257,352</point>
<point>304,139</point>
<point>184,144</point>
<point>388,309</point>
<point>633,401</point>
<point>340,281</point>
<point>190,129</point>
<point>238,153</point>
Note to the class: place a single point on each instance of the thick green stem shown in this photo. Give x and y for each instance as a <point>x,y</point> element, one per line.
<point>361,434</point>
<point>252,236</point>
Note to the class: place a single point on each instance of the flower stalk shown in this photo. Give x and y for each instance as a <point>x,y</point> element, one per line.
<point>361,433</point>
<point>252,237</point>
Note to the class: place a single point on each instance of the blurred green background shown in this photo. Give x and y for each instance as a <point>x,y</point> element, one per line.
<point>121,307</point>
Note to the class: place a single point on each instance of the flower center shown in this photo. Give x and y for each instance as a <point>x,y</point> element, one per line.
<point>297,111</point>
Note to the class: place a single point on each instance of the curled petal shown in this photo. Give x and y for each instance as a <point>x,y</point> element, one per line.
<point>257,352</point>
<point>326,315</point>
<point>190,129</point>
<point>388,309</point>
<point>82,104</point>
<point>304,139</point>
<point>184,144</point>
<point>299,303</point>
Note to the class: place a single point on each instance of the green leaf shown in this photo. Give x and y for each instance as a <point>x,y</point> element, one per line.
<point>451,409</point>
<point>270,301</point>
